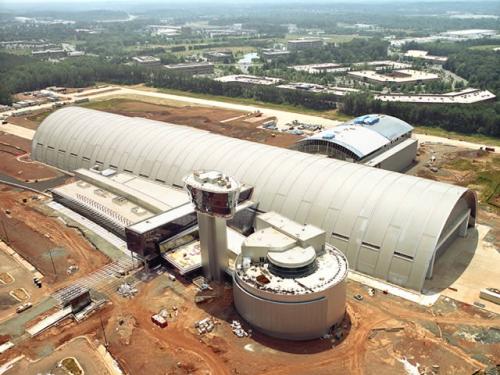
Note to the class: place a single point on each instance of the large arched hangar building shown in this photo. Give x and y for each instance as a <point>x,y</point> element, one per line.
<point>389,225</point>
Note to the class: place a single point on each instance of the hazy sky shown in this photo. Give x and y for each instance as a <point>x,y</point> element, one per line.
<point>79,5</point>
<point>103,3</point>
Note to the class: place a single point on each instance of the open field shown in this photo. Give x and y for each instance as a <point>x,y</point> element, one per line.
<point>79,348</point>
<point>21,278</point>
<point>29,122</point>
<point>475,169</point>
<point>15,161</point>
<point>487,47</point>
<point>44,241</point>
<point>332,114</point>
<point>477,138</point>
<point>451,336</point>
<point>231,123</point>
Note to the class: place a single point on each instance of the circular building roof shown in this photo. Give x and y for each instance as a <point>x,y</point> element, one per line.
<point>292,258</point>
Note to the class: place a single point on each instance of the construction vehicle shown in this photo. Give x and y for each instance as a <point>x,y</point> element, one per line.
<point>23,307</point>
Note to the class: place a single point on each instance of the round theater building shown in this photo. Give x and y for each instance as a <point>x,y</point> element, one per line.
<point>287,282</point>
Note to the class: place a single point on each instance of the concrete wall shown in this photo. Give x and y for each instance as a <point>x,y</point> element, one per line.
<point>308,319</point>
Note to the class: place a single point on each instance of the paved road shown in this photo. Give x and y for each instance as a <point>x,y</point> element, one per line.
<point>39,186</point>
<point>431,138</point>
<point>18,131</point>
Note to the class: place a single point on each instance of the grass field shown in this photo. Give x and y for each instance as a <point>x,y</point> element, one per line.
<point>484,177</point>
<point>477,138</point>
<point>488,47</point>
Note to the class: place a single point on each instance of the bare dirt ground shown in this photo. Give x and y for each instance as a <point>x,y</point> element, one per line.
<point>241,125</point>
<point>15,161</point>
<point>26,122</point>
<point>21,278</point>
<point>37,237</point>
<point>452,337</point>
<point>211,119</point>
<point>80,348</point>
<point>474,169</point>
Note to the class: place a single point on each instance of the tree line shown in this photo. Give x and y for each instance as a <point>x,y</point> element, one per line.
<point>24,74</point>
<point>467,119</point>
<point>481,67</point>
<point>85,71</point>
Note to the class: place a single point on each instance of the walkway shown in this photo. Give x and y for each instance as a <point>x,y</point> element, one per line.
<point>105,279</point>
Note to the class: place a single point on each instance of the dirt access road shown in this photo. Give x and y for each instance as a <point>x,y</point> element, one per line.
<point>44,241</point>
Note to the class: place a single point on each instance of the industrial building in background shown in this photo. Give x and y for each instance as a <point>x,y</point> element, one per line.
<point>287,282</point>
<point>388,225</point>
<point>191,68</point>
<point>379,141</point>
<point>215,197</point>
<point>147,60</point>
<point>304,44</point>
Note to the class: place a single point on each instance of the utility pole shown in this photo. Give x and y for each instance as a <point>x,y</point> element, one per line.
<point>53,265</point>
<point>104,333</point>
<point>7,241</point>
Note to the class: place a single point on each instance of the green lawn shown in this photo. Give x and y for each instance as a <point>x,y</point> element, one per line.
<point>484,176</point>
<point>476,138</point>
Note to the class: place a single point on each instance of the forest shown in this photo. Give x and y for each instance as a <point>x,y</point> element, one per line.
<point>481,67</point>
<point>23,73</point>
<point>468,119</point>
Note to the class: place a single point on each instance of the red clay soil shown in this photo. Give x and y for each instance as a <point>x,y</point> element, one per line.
<point>223,353</point>
<point>36,236</point>
<point>369,348</point>
<point>14,164</point>
<point>25,122</point>
<point>206,119</point>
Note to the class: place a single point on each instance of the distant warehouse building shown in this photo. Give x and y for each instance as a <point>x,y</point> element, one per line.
<point>388,225</point>
<point>397,77</point>
<point>191,68</point>
<point>304,44</point>
<point>147,60</point>
<point>247,79</point>
<point>54,53</point>
<point>269,54</point>
<point>225,57</point>
<point>376,140</point>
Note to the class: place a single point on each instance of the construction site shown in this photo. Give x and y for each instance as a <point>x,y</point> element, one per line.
<point>145,260</point>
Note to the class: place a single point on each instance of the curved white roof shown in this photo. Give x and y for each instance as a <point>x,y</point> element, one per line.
<point>365,134</point>
<point>388,224</point>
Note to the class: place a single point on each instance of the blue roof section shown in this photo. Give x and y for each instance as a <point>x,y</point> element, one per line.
<point>388,126</point>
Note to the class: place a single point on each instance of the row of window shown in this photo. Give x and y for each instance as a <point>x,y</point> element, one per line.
<point>111,165</point>
<point>371,246</point>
